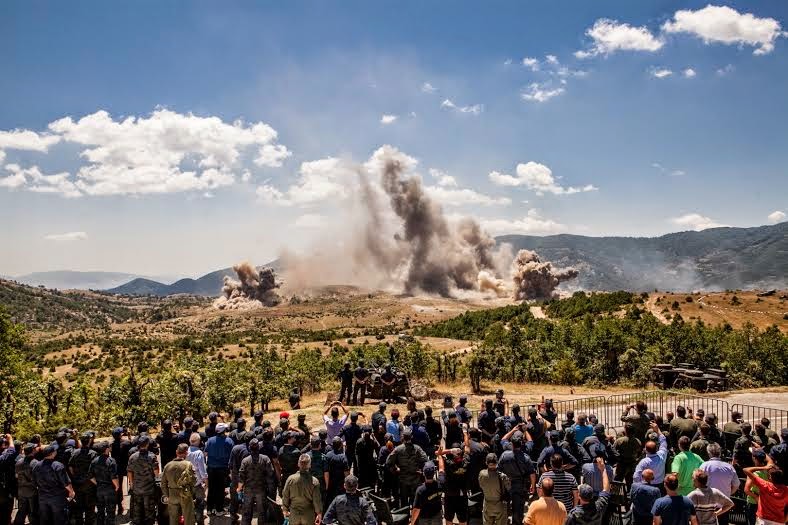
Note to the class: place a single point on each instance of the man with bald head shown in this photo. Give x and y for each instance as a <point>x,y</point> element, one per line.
<point>546,510</point>
<point>643,495</point>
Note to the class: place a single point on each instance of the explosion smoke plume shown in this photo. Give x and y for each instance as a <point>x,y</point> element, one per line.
<point>534,279</point>
<point>253,289</point>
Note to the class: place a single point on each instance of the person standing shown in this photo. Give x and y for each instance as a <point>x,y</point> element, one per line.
<point>772,494</point>
<point>495,487</point>
<point>366,469</point>
<point>591,510</point>
<point>27,497</point>
<point>288,457</point>
<point>79,468</point>
<point>197,459</point>
<point>177,487</point>
<point>655,459</point>
<point>120,453</point>
<point>564,483</point>
<point>167,441</point>
<point>103,474</point>
<point>546,510</point>
<point>360,379</point>
<point>427,501</point>
<point>237,454</point>
<point>345,377</point>
<point>337,469</point>
<point>710,504</point>
<point>350,508</point>
<point>217,450</point>
<point>301,499</point>
<point>257,483</point>
<point>516,464</point>
<point>54,489</point>
<point>9,451</point>
<point>335,424</point>
<point>673,509</point>
<point>142,472</point>
<point>351,434</point>
<point>628,448</point>
<point>451,471</point>
<point>684,465</point>
<point>643,495</point>
<point>407,460</point>
<point>722,475</point>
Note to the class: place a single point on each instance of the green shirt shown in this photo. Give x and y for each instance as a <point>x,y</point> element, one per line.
<point>684,464</point>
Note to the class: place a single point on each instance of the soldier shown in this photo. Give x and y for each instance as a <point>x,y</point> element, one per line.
<point>79,468</point>
<point>303,438</point>
<point>237,454</point>
<point>495,486</point>
<point>350,508</point>
<point>463,414</point>
<point>27,497</point>
<point>451,469</point>
<point>288,457</point>
<point>167,442</point>
<point>295,399</point>
<point>8,455</point>
<point>486,421</point>
<point>379,417</point>
<point>517,466</point>
<point>257,482</point>
<point>177,487</point>
<point>318,465</point>
<point>345,377</point>
<point>639,420</point>
<point>365,458</point>
<point>408,460</point>
<point>120,453</point>
<point>628,449</point>
<point>501,403</point>
<point>427,501</point>
<point>351,434</point>
<point>338,469</point>
<point>301,499</point>
<point>388,378</point>
<point>142,472</point>
<point>103,474</point>
<point>54,489</point>
<point>360,380</point>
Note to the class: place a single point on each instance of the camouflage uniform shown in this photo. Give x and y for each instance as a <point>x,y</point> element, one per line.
<point>180,498</point>
<point>143,466</point>
<point>301,497</point>
<point>259,482</point>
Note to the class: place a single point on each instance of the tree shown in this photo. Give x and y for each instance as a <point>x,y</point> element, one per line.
<point>14,369</point>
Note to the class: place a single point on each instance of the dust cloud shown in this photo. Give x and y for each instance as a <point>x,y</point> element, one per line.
<point>253,289</point>
<point>534,279</point>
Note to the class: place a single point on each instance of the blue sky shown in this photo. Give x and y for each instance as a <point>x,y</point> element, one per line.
<point>648,146</point>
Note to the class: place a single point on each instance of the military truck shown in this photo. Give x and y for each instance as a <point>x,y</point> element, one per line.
<point>403,387</point>
<point>687,375</point>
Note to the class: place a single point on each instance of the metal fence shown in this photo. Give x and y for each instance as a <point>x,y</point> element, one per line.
<point>754,414</point>
<point>588,405</point>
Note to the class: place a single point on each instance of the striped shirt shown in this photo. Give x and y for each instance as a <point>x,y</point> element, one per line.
<point>707,502</point>
<point>564,486</point>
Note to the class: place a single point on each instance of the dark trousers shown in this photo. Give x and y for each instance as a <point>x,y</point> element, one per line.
<point>234,503</point>
<point>119,493</point>
<point>143,509</point>
<point>344,393</point>
<point>624,472</point>
<point>254,503</point>
<point>27,508</point>
<point>6,507</point>
<point>53,512</point>
<point>642,520</point>
<point>519,497</point>
<point>407,491</point>
<point>350,453</point>
<point>105,508</point>
<point>85,506</point>
<point>359,389</point>
<point>217,481</point>
<point>750,511</point>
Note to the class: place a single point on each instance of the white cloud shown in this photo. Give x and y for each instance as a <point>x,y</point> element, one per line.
<point>551,59</point>
<point>660,72</point>
<point>537,177</point>
<point>388,119</point>
<point>67,237</point>
<point>32,179</point>
<point>689,73</point>
<point>475,109</point>
<point>532,223</point>
<point>696,221</point>
<point>665,171</point>
<point>443,178</point>
<point>531,63</point>
<point>310,221</point>
<point>464,196</point>
<point>24,139</point>
<point>428,88</point>
<point>610,36</point>
<point>725,70</point>
<point>725,25</point>
<point>776,216</point>
<point>319,180</point>
<point>541,92</point>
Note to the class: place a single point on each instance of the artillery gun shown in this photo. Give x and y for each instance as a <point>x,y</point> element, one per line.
<point>403,386</point>
<point>687,375</point>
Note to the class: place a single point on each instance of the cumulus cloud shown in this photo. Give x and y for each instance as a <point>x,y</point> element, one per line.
<point>428,88</point>
<point>696,221</point>
<point>541,92</point>
<point>536,177</point>
<point>725,25</point>
<point>443,178</point>
<point>164,152</point>
<point>776,216</point>
<point>475,109</point>
<point>660,72</point>
<point>388,119</point>
<point>531,63</point>
<point>67,237</point>
<point>532,223</point>
<point>609,36</point>
<point>689,73</point>
<point>32,179</point>
<point>464,196</point>
<point>319,180</point>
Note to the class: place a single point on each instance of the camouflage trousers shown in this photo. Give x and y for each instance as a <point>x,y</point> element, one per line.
<point>143,509</point>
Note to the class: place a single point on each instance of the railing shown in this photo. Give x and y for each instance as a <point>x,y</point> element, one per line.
<point>753,414</point>
<point>587,405</point>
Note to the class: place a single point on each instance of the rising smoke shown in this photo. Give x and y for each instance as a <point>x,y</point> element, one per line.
<point>534,279</point>
<point>253,289</point>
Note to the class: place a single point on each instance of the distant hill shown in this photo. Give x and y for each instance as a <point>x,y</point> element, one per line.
<point>209,285</point>
<point>713,259</point>
<point>67,279</point>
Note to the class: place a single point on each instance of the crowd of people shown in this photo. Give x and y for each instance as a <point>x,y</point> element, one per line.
<point>535,467</point>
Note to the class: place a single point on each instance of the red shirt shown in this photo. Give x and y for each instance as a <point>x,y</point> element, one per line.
<point>772,500</point>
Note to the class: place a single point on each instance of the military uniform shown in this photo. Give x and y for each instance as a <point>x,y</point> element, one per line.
<point>428,501</point>
<point>288,461</point>
<point>237,454</point>
<point>259,482</point>
<point>7,483</point>
<point>350,509</point>
<point>336,465</point>
<point>85,491</point>
<point>27,496</point>
<point>143,466</point>
<point>366,469</point>
<point>493,485</point>
<point>104,470</point>
<point>409,459</point>
<point>318,470</point>
<point>639,421</point>
<point>51,480</point>
<point>301,497</point>
<point>628,450</point>
<point>517,466</point>
<point>177,484</point>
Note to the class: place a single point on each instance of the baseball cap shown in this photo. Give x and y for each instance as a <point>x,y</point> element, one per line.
<point>284,415</point>
<point>586,492</point>
<point>29,447</point>
<point>221,427</point>
<point>758,453</point>
<point>50,449</point>
<point>429,470</point>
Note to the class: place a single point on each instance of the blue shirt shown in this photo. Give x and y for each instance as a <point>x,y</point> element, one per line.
<point>393,427</point>
<point>655,462</point>
<point>218,449</point>
<point>592,476</point>
<point>674,510</point>
<point>643,497</point>
<point>582,432</point>
<point>197,459</point>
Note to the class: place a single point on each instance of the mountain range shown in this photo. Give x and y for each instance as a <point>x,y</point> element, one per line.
<point>70,279</point>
